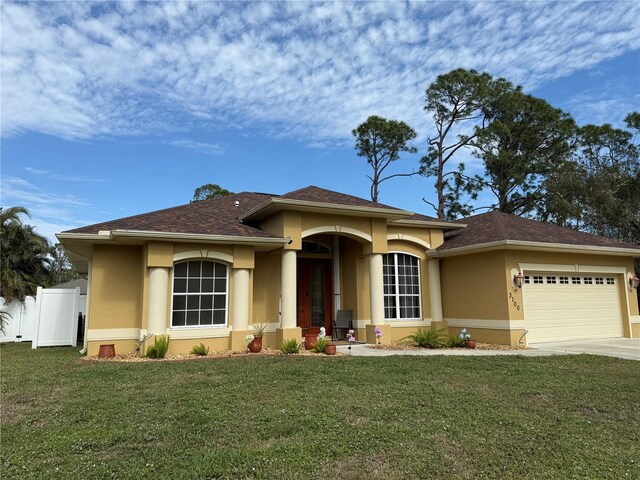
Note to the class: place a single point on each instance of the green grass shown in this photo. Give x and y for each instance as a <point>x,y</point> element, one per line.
<point>291,417</point>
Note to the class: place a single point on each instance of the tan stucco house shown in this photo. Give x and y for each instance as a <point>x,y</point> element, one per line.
<point>206,271</point>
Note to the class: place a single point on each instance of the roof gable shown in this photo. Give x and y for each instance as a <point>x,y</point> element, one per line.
<point>322,195</point>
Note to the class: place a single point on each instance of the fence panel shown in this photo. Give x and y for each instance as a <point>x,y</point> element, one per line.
<point>57,317</point>
<point>21,325</point>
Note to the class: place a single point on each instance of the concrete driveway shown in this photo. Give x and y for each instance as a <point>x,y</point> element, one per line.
<point>627,348</point>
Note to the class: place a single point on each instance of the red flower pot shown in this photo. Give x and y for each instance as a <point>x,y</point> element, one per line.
<point>255,345</point>
<point>107,351</point>
<point>310,341</point>
<point>330,349</point>
<point>471,344</point>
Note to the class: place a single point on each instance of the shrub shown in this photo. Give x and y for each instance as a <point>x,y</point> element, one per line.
<point>290,346</point>
<point>159,348</point>
<point>428,338</point>
<point>321,345</point>
<point>454,342</point>
<point>200,350</point>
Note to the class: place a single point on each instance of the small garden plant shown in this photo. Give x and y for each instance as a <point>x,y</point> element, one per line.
<point>200,350</point>
<point>259,329</point>
<point>290,346</point>
<point>429,338</point>
<point>320,345</point>
<point>159,348</point>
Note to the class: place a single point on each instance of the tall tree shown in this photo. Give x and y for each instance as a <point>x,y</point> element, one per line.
<point>525,141</point>
<point>209,191</point>
<point>61,269</point>
<point>611,195</point>
<point>633,122</point>
<point>456,100</point>
<point>24,259</point>
<point>381,142</point>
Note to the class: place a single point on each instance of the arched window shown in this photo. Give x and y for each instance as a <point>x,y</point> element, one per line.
<point>401,286</point>
<point>200,292</point>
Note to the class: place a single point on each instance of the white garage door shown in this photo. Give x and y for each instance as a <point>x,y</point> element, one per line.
<point>563,306</point>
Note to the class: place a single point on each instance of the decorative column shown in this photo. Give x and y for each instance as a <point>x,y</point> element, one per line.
<point>288,276</point>
<point>288,292</point>
<point>435,295</point>
<point>240,278</point>
<point>240,299</point>
<point>157,306</point>
<point>376,289</point>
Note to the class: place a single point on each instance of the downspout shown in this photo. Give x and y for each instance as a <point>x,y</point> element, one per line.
<point>85,340</point>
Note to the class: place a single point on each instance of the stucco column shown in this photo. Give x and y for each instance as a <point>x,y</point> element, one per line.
<point>435,296</point>
<point>288,289</point>
<point>157,308</point>
<point>376,289</point>
<point>240,299</point>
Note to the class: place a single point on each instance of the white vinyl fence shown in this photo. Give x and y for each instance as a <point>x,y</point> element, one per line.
<point>50,319</point>
<point>56,317</point>
<point>21,325</point>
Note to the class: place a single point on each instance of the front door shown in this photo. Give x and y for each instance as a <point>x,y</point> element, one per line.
<point>315,303</point>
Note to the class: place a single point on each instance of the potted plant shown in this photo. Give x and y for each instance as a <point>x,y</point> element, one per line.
<point>254,342</point>
<point>310,339</point>
<point>467,341</point>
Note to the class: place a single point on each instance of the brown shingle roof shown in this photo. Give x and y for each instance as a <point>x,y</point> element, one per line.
<point>218,216</point>
<point>321,195</point>
<point>424,218</point>
<point>497,226</point>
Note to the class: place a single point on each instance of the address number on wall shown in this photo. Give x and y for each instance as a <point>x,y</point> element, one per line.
<point>513,300</point>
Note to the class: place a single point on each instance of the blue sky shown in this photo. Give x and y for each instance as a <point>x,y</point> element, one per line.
<point>113,109</point>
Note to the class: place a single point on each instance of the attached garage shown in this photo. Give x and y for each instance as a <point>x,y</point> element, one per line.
<point>570,306</point>
<point>524,282</point>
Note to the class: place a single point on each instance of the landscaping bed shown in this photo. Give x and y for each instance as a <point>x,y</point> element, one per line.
<point>132,357</point>
<point>292,417</point>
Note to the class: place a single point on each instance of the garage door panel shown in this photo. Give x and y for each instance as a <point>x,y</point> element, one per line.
<point>560,307</point>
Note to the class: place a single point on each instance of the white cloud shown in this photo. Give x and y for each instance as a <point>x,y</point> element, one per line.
<point>59,177</point>
<point>291,69</point>
<point>202,147</point>
<point>50,212</point>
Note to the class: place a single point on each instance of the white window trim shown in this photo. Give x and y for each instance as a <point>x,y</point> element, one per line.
<point>226,303</point>
<point>397,294</point>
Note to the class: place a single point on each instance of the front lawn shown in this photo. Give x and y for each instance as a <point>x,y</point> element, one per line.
<point>280,417</point>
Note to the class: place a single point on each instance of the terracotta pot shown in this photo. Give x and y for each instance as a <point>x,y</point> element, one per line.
<point>330,349</point>
<point>255,345</point>
<point>310,341</point>
<point>107,351</point>
<point>471,344</point>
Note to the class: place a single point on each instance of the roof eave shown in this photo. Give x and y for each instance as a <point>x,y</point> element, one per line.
<point>446,226</point>
<point>535,246</point>
<point>276,204</point>
<point>112,235</point>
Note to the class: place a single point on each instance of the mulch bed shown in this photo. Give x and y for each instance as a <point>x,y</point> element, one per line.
<point>132,357</point>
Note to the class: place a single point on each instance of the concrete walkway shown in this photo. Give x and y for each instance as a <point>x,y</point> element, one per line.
<point>627,348</point>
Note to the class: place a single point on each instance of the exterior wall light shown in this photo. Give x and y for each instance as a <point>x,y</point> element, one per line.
<point>634,282</point>
<point>518,279</point>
